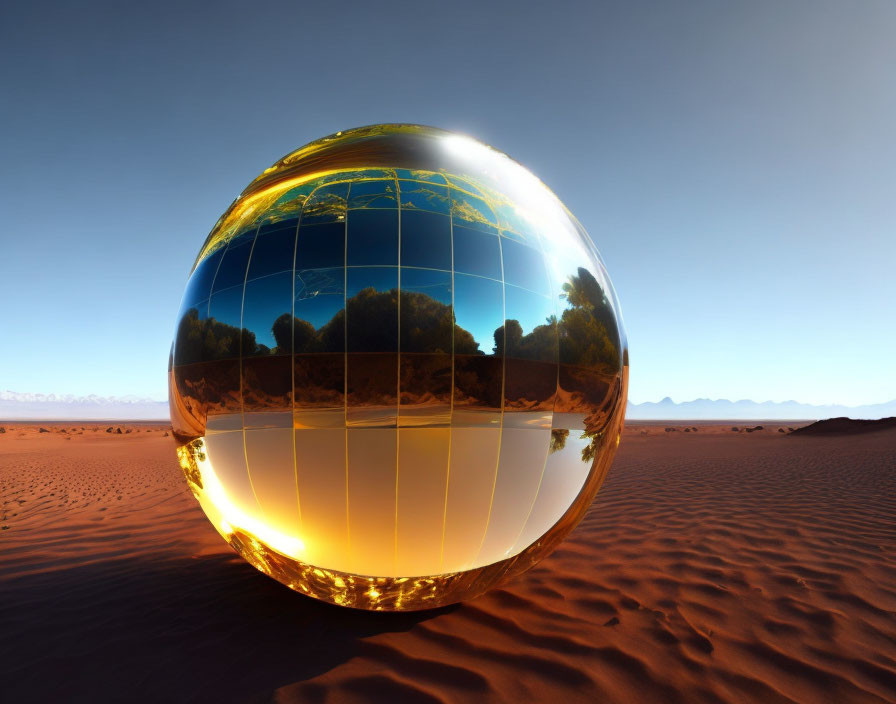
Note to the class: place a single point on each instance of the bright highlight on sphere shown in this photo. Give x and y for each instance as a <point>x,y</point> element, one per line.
<point>399,371</point>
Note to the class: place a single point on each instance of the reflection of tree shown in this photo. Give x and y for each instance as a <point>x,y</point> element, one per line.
<point>425,326</point>
<point>203,340</point>
<point>372,318</point>
<point>302,332</point>
<point>587,333</point>
<point>589,339</point>
<point>539,345</point>
<point>558,439</point>
<point>588,329</point>
<point>597,422</point>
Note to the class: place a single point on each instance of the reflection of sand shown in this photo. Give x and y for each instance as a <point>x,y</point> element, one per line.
<point>715,566</point>
<point>392,502</point>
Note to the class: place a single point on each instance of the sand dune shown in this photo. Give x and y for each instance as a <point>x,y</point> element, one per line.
<point>846,426</point>
<point>715,565</point>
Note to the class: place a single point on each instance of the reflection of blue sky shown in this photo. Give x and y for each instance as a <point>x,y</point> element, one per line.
<point>479,303</point>
<point>424,196</point>
<point>273,252</point>
<point>435,284</point>
<point>372,237</point>
<point>319,310</point>
<point>479,308</point>
<point>232,270</point>
<point>372,194</point>
<point>247,236</point>
<point>201,308</point>
<point>200,283</point>
<point>317,282</point>
<point>524,266</point>
<point>225,306</point>
<point>319,295</point>
<point>530,309</point>
<point>476,252</point>
<point>381,278</point>
<point>266,300</point>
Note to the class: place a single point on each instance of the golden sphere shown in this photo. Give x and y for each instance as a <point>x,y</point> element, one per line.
<point>399,372</point>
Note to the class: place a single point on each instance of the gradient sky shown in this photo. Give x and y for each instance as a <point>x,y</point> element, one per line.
<point>734,162</point>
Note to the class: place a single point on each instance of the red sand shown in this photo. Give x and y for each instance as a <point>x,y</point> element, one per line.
<point>714,566</point>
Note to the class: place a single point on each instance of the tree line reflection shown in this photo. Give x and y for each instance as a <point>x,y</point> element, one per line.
<point>586,334</point>
<point>569,364</point>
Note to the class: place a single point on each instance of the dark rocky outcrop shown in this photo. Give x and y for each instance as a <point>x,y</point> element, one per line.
<point>846,426</point>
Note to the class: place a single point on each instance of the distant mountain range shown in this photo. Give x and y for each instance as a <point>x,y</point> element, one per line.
<point>723,409</point>
<point>24,406</point>
<point>20,406</point>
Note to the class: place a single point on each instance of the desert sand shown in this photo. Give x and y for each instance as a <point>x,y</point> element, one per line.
<point>716,565</point>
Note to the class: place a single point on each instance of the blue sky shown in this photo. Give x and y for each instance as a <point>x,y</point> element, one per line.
<point>734,162</point>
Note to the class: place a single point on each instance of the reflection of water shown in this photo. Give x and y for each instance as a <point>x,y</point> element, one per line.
<point>389,501</point>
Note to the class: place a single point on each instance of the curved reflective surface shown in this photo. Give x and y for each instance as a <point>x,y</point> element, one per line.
<point>399,371</point>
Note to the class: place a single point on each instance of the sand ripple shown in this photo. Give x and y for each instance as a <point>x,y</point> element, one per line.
<point>713,568</point>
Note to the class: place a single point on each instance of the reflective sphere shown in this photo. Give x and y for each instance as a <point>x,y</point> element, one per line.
<point>399,371</point>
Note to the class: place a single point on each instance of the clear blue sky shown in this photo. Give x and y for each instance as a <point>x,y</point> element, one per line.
<point>734,162</point>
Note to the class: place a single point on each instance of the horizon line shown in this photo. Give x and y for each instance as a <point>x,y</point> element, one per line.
<point>11,396</point>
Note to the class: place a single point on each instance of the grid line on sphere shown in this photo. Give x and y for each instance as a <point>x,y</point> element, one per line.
<point>450,399</point>
<point>242,405</point>
<point>503,400</point>
<point>348,522</point>
<point>397,380</point>
<point>211,285</point>
<point>292,374</point>
<point>554,300</point>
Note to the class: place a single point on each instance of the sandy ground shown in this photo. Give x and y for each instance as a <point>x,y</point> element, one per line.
<point>715,566</point>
